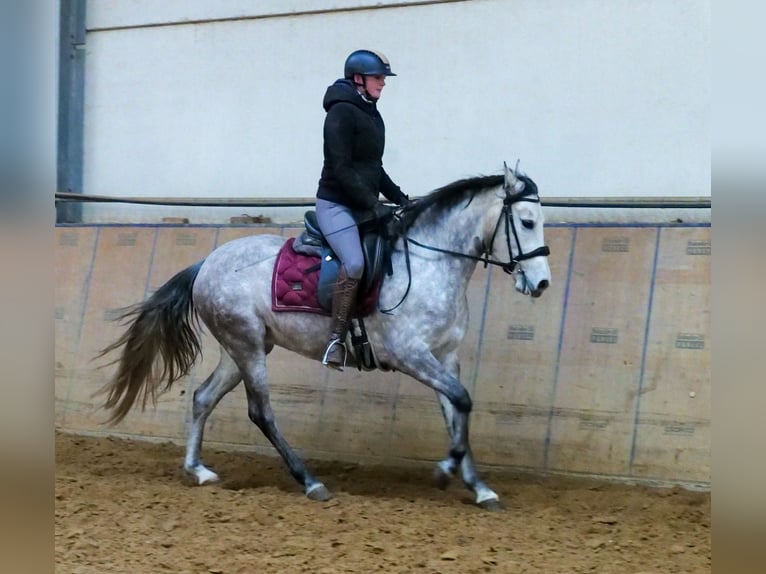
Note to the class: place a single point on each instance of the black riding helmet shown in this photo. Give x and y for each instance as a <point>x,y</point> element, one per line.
<point>367,63</point>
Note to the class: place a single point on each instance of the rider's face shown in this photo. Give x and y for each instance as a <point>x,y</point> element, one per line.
<point>374,85</point>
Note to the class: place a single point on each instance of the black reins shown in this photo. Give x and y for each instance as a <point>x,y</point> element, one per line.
<point>529,195</point>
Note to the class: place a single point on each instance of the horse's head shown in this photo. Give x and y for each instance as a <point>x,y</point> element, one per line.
<point>522,234</point>
<point>509,225</point>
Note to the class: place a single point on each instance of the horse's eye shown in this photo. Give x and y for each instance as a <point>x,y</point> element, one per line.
<point>528,223</point>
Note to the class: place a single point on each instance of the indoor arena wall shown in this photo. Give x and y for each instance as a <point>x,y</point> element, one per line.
<point>607,374</point>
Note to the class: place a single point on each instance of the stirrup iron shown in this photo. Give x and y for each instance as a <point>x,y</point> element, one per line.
<point>330,345</point>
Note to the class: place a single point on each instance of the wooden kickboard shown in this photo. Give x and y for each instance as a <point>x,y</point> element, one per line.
<point>674,402</point>
<point>607,373</point>
<point>73,263</point>
<point>598,367</point>
<point>517,364</point>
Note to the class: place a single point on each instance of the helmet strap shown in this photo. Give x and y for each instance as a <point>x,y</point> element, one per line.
<point>362,89</point>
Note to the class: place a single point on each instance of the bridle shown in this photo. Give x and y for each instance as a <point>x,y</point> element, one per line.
<point>528,194</point>
<point>511,198</point>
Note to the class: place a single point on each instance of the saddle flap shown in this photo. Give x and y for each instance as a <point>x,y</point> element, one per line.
<point>375,249</point>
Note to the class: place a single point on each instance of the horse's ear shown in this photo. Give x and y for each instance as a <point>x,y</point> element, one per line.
<point>510,178</point>
<point>511,181</point>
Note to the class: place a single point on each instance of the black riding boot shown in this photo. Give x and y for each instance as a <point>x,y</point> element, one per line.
<point>343,301</point>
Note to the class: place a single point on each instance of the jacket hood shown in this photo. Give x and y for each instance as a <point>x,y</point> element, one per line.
<point>344,91</point>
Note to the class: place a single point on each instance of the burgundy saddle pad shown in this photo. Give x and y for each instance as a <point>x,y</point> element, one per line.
<point>294,284</point>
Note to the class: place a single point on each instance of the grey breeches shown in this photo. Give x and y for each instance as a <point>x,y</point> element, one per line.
<point>339,227</point>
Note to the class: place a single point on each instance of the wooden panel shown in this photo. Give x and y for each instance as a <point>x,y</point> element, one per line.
<point>673,434</point>
<point>176,249</point>
<point>119,278</point>
<point>604,331</point>
<point>518,364</point>
<point>297,394</point>
<point>418,430</point>
<point>74,258</point>
<point>357,413</point>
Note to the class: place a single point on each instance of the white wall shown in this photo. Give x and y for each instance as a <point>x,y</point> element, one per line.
<point>596,97</point>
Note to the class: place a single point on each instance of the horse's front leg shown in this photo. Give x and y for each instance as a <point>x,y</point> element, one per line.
<point>445,469</point>
<point>485,496</point>
<point>456,406</point>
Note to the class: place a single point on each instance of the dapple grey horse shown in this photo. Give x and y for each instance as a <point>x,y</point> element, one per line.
<point>492,219</point>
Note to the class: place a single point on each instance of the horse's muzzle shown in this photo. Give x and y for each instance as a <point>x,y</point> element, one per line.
<point>541,286</point>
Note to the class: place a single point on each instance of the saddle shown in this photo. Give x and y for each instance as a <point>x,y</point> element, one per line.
<point>306,271</point>
<point>304,278</point>
<point>377,259</point>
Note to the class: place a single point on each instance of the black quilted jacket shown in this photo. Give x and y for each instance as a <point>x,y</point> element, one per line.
<point>354,139</point>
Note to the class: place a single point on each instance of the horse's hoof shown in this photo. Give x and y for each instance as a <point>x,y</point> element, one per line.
<point>319,493</point>
<point>441,478</point>
<point>200,475</point>
<point>493,505</point>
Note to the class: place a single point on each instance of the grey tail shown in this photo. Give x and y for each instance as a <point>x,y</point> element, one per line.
<point>159,346</point>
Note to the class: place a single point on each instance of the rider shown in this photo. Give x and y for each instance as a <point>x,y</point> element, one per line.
<point>352,179</point>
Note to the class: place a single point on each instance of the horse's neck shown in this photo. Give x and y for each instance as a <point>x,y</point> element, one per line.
<point>461,228</point>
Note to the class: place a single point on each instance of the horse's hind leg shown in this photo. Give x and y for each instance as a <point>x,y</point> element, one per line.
<point>223,379</point>
<point>260,412</point>
<point>485,496</point>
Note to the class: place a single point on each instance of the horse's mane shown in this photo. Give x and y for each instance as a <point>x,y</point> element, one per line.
<point>450,195</point>
<point>453,193</point>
